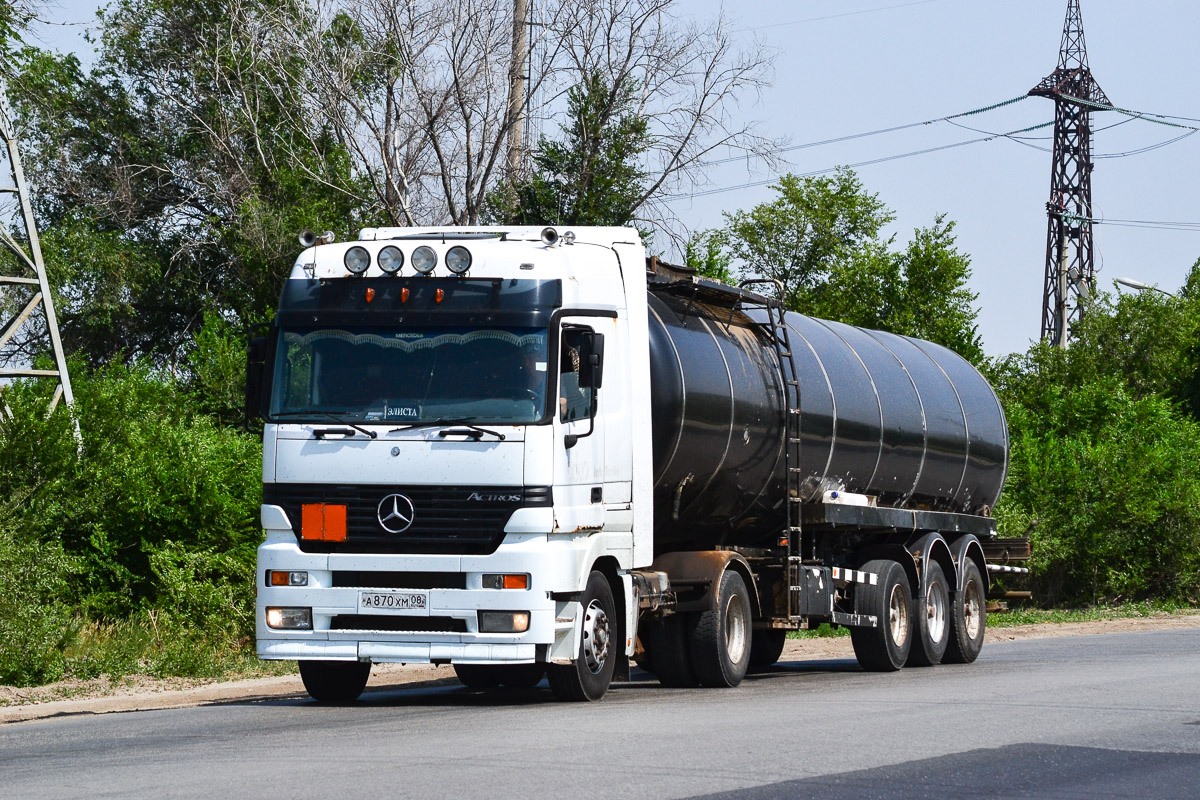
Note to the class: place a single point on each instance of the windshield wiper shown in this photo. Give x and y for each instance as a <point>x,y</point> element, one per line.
<point>321,433</point>
<point>478,431</point>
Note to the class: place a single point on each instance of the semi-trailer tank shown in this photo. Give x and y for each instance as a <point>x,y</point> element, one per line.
<point>537,453</point>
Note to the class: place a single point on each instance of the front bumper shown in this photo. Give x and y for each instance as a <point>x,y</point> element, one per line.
<point>552,562</point>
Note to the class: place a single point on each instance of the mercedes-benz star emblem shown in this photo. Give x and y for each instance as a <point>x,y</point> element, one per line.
<point>395,513</point>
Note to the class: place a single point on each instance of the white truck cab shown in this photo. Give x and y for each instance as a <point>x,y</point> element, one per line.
<point>455,427</point>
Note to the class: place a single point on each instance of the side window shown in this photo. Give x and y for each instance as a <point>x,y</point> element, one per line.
<point>573,402</point>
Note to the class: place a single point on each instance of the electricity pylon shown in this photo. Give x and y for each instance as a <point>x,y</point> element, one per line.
<point>27,282</point>
<point>1070,268</point>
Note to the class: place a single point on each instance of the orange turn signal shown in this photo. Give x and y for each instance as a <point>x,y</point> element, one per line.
<point>370,294</point>
<point>439,295</point>
<point>404,295</point>
<point>516,581</point>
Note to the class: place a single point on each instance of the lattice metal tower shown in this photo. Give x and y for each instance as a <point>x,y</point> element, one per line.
<point>1070,269</point>
<point>27,318</point>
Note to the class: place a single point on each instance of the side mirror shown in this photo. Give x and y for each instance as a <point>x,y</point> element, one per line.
<point>591,360</point>
<point>256,360</point>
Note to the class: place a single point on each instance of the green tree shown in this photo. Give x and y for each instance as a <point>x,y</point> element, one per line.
<point>594,175</point>
<point>1105,440</point>
<point>174,176</point>
<point>822,238</point>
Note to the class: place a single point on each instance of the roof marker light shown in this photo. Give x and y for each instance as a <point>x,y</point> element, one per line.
<point>439,295</point>
<point>404,295</point>
<point>370,294</point>
<point>424,259</point>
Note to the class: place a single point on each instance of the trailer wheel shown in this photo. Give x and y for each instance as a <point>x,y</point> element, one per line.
<point>766,647</point>
<point>589,676</point>
<point>933,619</point>
<point>969,618</point>
<point>334,681</point>
<point>670,654</point>
<point>721,638</point>
<point>885,647</point>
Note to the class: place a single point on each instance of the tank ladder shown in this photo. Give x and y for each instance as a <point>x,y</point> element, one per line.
<point>777,331</point>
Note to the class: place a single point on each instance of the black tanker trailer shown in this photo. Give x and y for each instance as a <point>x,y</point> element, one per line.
<point>845,475</point>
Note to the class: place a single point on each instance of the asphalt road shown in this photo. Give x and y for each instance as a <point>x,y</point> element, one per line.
<point>1113,716</point>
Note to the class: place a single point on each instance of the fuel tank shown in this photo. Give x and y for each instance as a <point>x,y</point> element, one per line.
<point>907,421</point>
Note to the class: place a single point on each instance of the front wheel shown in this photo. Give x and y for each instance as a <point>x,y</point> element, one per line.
<point>885,647</point>
<point>334,681</point>
<point>591,673</point>
<point>968,621</point>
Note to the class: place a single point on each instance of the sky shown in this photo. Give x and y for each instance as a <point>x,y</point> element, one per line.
<point>844,67</point>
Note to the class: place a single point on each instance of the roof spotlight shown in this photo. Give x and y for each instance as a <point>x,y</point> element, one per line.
<point>569,237</point>
<point>357,259</point>
<point>458,260</point>
<point>424,259</point>
<point>390,259</point>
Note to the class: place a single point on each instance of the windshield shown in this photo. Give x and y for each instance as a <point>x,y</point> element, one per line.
<point>412,375</point>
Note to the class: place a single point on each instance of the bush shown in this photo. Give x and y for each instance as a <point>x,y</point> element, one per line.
<point>35,625</point>
<point>1111,480</point>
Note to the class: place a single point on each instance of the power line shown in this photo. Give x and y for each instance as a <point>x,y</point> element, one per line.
<point>893,129</point>
<point>867,163</point>
<point>835,16</point>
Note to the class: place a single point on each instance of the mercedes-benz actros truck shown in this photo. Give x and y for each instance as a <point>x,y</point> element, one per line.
<point>539,454</point>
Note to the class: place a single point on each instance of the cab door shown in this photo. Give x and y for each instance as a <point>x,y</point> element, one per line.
<point>579,429</point>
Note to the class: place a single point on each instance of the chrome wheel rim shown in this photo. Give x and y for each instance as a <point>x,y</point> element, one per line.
<point>596,637</point>
<point>898,615</point>
<point>972,610</point>
<point>735,630</point>
<point>935,614</point>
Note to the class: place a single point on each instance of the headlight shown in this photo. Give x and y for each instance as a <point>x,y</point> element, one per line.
<point>458,260</point>
<point>390,259</point>
<point>357,259</point>
<point>424,259</point>
<point>296,619</point>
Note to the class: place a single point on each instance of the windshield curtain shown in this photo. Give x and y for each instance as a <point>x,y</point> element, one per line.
<point>495,375</point>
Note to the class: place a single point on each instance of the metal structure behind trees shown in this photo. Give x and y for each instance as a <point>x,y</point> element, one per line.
<point>27,318</point>
<point>1070,266</point>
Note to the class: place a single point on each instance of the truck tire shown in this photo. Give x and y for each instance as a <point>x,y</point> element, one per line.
<point>589,676</point>
<point>491,676</point>
<point>721,638</point>
<point>885,647</point>
<point>932,627</point>
<point>766,646</point>
<point>670,653</point>
<point>335,681</point>
<point>968,620</point>
<point>521,676</point>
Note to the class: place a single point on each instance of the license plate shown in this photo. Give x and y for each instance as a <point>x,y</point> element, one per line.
<point>391,602</point>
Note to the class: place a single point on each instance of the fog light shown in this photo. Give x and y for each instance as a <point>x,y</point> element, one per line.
<point>503,621</point>
<point>424,259</point>
<point>506,581</point>
<point>296,619</point>
<point>390,259</point>
<point>458,260</point>
<point>278,577</point>
<point>357,259</point>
